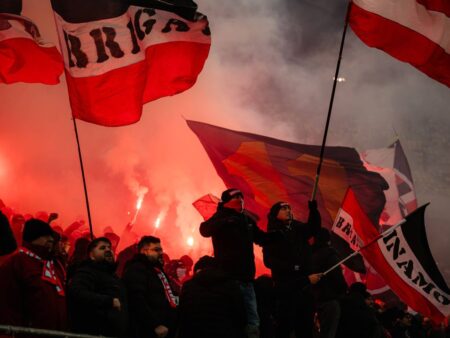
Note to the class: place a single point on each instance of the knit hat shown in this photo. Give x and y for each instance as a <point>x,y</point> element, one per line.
<point>35,228</point>
<point>273,213</point>
<point>227,195</point>
<point>205,262</point>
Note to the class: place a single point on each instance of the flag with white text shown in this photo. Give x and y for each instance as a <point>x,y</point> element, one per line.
<point>403,258</point>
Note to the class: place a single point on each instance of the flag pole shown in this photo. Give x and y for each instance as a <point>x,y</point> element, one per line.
<point>84,179</point>
<point>330,107</point>
<point>383,234</point>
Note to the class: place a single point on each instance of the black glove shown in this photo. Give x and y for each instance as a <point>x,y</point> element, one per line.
<point>312,205</point>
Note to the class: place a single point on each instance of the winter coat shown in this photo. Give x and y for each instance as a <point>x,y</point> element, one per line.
<point>7,241</point>
<point>233,235</point>
<point>332,286</point>
<point>290,257</point>
<point>357,318</point>
<point>148,304</point>
<point>90,298</point>
<point>25,298</point>
<point>211,305</point>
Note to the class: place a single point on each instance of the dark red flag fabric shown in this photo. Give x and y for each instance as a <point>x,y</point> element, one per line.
<point>403,258</point>
<point>413,31</point>
<point>268,170</point>
<point>120,54</point>
<point>391,163</point>
<point>24,56</point>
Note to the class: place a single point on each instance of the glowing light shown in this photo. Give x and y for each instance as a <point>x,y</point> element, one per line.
<point>138,207</point>
<point>340,79</point>
<point>158,222</point>
<point>190,241</point>
<point>139,203</point>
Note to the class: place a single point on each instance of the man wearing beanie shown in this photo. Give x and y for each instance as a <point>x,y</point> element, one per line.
<point>233,233</point>
<point>290,259</point>
<point>32,284</point>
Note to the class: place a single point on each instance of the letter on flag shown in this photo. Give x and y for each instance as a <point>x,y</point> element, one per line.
<point>403,258</point>
<point>24,56</point>
<point>120,54</point>
<point>413,31</point>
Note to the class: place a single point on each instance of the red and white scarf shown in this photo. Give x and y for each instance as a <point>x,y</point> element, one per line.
<point>48,271</point>
<point>173,300</point>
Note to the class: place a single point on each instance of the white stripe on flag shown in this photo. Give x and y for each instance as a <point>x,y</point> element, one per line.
<point>408,13</point>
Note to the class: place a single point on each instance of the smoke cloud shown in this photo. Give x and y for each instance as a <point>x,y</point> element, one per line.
<point>270,72</point>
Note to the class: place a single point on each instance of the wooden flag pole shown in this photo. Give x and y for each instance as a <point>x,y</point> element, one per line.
<point>84,179</point>
<point>330,107</point>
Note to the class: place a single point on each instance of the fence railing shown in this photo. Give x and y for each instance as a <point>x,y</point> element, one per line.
<point>14,330</point>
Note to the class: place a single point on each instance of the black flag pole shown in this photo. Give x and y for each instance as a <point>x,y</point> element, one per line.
<point>84,178</point>
<point>330,107</point>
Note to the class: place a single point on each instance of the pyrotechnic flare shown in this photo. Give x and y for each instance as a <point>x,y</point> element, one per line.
<point>190,241</point>
<point>138,208</point>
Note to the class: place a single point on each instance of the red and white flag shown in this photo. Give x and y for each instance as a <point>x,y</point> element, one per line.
<point>119,56</point>
<point>24,56</point>
<point>403,258</point>
<point>413,31</point>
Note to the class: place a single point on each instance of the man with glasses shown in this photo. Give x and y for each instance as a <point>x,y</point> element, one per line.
<point>152,304</point>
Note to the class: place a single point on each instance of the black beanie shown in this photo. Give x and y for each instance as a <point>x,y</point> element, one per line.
<point>205,262</point>
<point>273,213</point>
<point>35,228</point>
<point>227,195</point>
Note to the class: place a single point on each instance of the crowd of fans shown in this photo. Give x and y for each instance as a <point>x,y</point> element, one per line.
<point>62,279</point>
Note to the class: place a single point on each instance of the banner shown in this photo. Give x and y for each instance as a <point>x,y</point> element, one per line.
<point>119,56</point>
<point>403,258</point>
<point>412,31</point>
<point>24,56</point>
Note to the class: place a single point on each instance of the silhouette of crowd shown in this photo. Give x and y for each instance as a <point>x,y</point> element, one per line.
<point>62,279</point>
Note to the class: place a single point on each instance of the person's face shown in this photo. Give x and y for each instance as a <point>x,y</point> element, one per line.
<point>236,203</point>
<point>102,252</point>
<point>154,252</point>
<point>285,213</point>
<point>45,241</point>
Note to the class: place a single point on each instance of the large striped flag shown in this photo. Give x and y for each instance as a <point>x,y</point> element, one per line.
<point>403,258</point>
<point>413,31</point>
<point>24,56</point>
<point>120,54</point>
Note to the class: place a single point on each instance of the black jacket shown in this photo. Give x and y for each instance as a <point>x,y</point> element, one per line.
<point>233,235</point>
<point>290,257</point>
<point>148,304</point>
<point>211,305</point>
<point>90,300</point>
<point>332,286</point>
<point>7,241</point>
